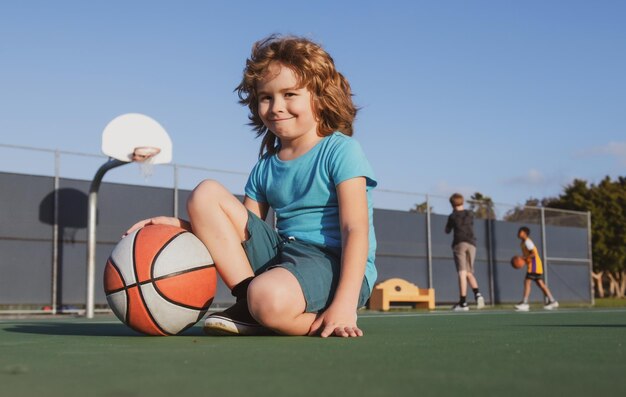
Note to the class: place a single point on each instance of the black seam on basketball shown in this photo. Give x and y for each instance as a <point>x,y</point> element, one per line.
<point>205,308</point>
<point>143,300</point>
<point>161,250</point>
<point>152,280</point>
<point>121,277</point>
<point>126,301</point>
<point>200,315</point>
<point>170,275</point>
<point>113,291</point>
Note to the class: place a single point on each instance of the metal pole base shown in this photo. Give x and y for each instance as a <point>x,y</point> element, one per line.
<point>91,232</point>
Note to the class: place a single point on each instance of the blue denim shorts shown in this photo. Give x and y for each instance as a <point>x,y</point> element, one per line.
<point>316,267</point>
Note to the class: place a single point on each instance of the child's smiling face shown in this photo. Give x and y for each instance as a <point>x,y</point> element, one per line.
<point>285,110</point>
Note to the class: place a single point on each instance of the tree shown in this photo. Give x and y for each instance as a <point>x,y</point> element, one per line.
<point>420,208</point>
<point>527,213</point>
<point>482,206</point>
<point>607,203</point>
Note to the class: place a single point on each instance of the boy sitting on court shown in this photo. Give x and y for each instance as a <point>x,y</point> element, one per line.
<point>464,250</point>
<point>534,272</point>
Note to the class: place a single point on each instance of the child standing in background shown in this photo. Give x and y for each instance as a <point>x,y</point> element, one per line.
<point>534,272</point>
<point>461,221</point>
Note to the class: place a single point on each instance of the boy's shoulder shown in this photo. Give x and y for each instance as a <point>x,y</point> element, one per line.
<point>339,139</point>
<point>461,214</point>
<point>338,145</point>
<point>528,243</point>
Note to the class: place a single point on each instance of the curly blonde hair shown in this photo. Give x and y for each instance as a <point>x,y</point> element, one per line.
<point>315,70</point>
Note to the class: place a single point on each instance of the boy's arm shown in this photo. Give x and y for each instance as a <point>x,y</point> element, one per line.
<point>340,318</point>
<point>449,225</point>
<point>530,256</point>
<point>259,209</point>
<point>530,247</point>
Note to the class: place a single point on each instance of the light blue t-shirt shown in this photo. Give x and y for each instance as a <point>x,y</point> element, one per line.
<point>303,192</point>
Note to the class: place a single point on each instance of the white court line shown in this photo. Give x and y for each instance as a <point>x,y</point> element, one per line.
<point>492,312</point>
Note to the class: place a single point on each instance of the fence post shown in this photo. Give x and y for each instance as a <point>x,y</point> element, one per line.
<point>544,245</point>
<point>55,233</point>
<point>175,190</point>
<point>490,264</point>
<point>590,256</point>
<point>429,255</point>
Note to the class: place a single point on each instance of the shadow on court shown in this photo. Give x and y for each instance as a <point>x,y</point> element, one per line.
<point>85,329</point>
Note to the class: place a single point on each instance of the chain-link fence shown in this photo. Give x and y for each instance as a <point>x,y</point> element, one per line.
<point>43,196</point>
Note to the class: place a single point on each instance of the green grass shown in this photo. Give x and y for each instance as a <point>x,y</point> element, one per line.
<point>609,302</point>
<point>569,352</point>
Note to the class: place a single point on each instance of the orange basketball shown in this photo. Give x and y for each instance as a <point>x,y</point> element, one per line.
<point>518,262</point>
<point>160,280</point>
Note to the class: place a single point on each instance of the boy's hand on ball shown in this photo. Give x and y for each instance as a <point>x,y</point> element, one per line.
<point>159,220</point>
<point>336,321</point>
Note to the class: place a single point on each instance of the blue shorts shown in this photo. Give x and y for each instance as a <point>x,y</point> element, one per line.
<point>315,267</point>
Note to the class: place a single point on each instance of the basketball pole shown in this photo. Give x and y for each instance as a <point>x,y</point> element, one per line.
<point>92,215</point>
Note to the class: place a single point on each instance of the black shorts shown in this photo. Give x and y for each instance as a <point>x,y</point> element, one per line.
<point>534,276</point>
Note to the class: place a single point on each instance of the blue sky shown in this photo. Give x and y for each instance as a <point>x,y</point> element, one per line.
<point>513,99</point>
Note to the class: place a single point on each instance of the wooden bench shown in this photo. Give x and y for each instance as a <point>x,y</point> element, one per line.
<point>399,290</point>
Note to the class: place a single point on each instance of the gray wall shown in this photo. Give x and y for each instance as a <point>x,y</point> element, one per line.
<point>26,244</point>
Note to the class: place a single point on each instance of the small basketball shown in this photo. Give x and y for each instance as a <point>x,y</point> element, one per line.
<point>518,262</point>
<point>160,280</point>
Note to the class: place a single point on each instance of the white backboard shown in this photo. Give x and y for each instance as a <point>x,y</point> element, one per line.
<point>132,130</point>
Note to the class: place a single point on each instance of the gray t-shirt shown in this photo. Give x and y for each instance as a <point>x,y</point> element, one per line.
<point>462,222</point>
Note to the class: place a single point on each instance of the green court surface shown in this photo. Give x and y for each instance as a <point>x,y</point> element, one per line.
<point>571,352</point>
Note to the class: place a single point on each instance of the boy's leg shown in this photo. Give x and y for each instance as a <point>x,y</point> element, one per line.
<point>277,302</point>
<point>546,291</point>
<point>526,290</point>
<point>472,280</point>
<point>261,248</point>
<point>463,277</point>
<point>289,296</point>
<point>219,220</point>
<point>523,306</point>
<point>460,260</point>
<point>471,258</point>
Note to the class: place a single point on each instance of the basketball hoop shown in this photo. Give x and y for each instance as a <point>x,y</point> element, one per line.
<point>144,157</point>
<point>131,137</point>
<point>143,153</point>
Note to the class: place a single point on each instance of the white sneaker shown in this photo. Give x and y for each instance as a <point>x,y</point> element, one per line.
<point>236,320</point>
<point>551,306</point>
<point>460,308</point>
<point>522,307</point>
<point>480,302</point>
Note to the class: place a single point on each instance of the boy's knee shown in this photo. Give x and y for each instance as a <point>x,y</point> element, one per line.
<point>206,191</point>
<point>268,304</point>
